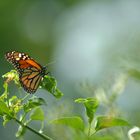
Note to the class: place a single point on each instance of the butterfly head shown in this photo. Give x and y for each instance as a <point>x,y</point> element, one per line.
<point>44,70</point>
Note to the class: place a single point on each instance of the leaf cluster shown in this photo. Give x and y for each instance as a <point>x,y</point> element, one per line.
<point>25,110</point>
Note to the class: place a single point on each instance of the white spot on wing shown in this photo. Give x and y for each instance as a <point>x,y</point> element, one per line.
<point>20,55</point>
<point>18,59</point>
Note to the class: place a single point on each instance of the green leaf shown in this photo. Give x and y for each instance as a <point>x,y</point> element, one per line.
<point>91,105</point>
<point>81,100</point>
<point>5,94</point>
<point>134,73</point>
<point>12,75</point>
<point>37,114</point>
<point>50,84</point>
<point>21,131</point>
<point>104,137</point>
<point>32,103</point>
<point>6,119</point>
<point>15,104</point>
<point>74,122</point>
<point>5,112</point>
<point>106,122</point>
<point>5,85</point>
<point>4,109</point>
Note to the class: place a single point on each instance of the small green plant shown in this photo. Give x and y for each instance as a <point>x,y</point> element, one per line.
<point>100,122</point>
<point>14,108</point>
<point>25,110</point>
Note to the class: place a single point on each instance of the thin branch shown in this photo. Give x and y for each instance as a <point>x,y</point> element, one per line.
<point>89,130</point>
<point>34,131</point>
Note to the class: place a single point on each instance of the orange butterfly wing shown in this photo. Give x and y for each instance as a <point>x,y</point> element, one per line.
<point>30,79</point>
<point>30,72</point>
<point>21,60</point>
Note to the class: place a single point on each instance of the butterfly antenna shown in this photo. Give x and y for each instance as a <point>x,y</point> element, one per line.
<point>51,63</point>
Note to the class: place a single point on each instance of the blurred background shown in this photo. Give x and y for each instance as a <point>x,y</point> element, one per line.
<point>89,43</point>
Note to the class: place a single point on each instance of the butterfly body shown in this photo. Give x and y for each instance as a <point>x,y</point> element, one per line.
<point>30,72</point>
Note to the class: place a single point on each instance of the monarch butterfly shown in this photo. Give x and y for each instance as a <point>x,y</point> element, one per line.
<point>30,72</point>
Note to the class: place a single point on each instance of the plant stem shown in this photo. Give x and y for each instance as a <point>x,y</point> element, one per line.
<point>25,97</point>
<point>89,130</point>
<point>93,133</point>
<point>34,131</point>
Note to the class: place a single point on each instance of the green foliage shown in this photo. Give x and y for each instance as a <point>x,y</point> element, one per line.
<point>50,84</point>
<point>134,73</point>
<point>12,76</point>
<point>4,109</point>
<point>37,114</point>
<point>32,103</point>
<point>4,95</point>
<point>10,107</point>
<point>21,131</point>
<point>30,109</point>
<point>74,122</point>
<point>91,105</point>
<point>106,122</point>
